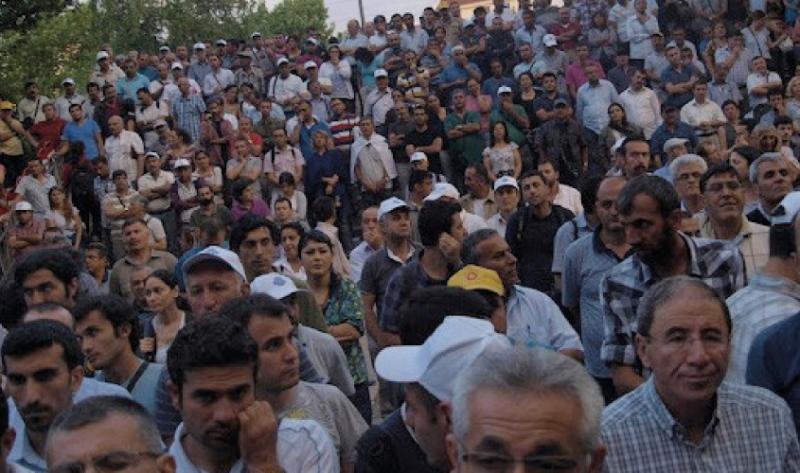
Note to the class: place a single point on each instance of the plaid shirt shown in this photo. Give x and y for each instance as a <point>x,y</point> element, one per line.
<point>403,282</point>
<point>717,263</point>
<point>751,431</point>
<point>188,112</point>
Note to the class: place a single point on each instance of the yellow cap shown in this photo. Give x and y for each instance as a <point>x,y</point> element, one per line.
<point>6,105</point>
<point>473,277</point>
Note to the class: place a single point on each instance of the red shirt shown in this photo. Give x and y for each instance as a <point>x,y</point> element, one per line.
<point>559,29</point>
<point>48,132</point>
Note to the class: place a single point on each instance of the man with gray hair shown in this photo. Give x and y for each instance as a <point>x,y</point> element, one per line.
<point>684,413</point>
<point>103,431</point>
<point>525,406</point>
<point>772,179</point>
<point>686,172</point>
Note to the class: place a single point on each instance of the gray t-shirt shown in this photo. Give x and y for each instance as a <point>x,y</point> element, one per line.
<point>328,358</point>
<point>143,389</point>
<point>328,406</point>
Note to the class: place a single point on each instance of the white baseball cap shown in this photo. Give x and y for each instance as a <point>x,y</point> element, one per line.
<point>390,205</point>
<point>274,285</point>
<point>255,34</point>
<point>154,155</point>
<point>442,189</point>
<point>176,65</point>
<point>164,48</point>
<point>504,89</point>
<point>312,41</point>
<point>68,80</point>
<point>101,55</point>
<point>505,181</point>
<point>23,206</point>
<point>309,65</point>
<point>435,364</point>
<point>282,60</point>
<point>380,73</point>
<point>200,46</point>
<point>549,40</point>
<point>673,142</point>
<point>215,253</point>
<point>180,163</point>
<point>221,42</point>
<point>418,156</point>
<point>786,211</point>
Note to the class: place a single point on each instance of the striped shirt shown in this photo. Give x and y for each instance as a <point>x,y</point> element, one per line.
<point>751,431</point>
<point>765,301</point>
<point>718,264</point>
<point>188,112</point>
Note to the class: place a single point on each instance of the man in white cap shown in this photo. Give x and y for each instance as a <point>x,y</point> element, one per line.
<point>27,234</point>
<point>448,193</point>
<point>106,71</point>
<point>459,71</point>
<point>248,73</point>
<point>553,59</point>
<point>322,350</point>
<point>213,277</point>
<point>419,162</point>
<point>429,372</point>
<point>379,101</point>
<point>312,75</point>
<point>278,376</point>
<point>284,86</point>
<point>199,67</point>
<point>68,98</point>
<point>171,91</point>
<point>394,219</point>
<point>507,196</point>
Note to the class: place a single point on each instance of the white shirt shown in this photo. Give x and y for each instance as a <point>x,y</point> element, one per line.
<point>215,81</point>
<point>171,92</point>
<point>756,79</point>
<point>303,447</point>
<point>639,36</point>
<point>147,182</point>
<point>642,109</point>
<point>119,153</point>
<point>498,223</point>
<point>378,104</point>
<point>284,90</point>
<point>695,113</point>
<point>569,198</point>
<point>472,223</point>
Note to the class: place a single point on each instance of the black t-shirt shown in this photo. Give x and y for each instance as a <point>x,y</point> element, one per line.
<point>533,247</point>
<point>426,138</point>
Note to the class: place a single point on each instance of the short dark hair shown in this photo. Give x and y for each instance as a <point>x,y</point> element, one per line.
<point>631,139</point>
<point>114,309</point>
<point>749,153</point>
<point>418,176</point>
<point>530,173</point>
<point>427,307</point>
<point>656,188</point>
<point>435,218</point>
<point>480,171</point>
<point>282,199</point>
<point>210,342</point>
<point>782,120</point>
<point>242,309</point>
<point>30,337</point>
<point>98,247</point>
<point>589,189</point>
<point>471,242</point>
<point>296,226</point>
<point>247,224</point>
<point>323,208</point>
<point>58,262</point>
<point>315,236</point>
<point>720,169</point>
<point>663,291</point>
<point>98,408</point>
<point>133,221</point>
<point>238,187</point>
<point>286,178</point>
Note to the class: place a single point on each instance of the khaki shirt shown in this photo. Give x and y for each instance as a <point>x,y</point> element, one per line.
<point>11,146</point>
<point>753,241</point>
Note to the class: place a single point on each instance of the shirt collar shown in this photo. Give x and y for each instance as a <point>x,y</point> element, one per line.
<point>392,256</point>
<point>22,453</point>
<point>182,461</point>
<point>777,284</point>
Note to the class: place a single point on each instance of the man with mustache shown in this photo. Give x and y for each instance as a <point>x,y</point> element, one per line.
<point>43,368</point>
<point>651,212</point>
<point>724,219</point>
<point>212,366</point>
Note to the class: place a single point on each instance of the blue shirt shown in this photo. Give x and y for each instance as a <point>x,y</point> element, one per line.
<point>750,431</point>
<point>674,76</point>
<point>490,86</point>
<point>592,102</point>
<point>662,134</point>
<point>126,88</point>
<point>774,363</point>
<point>454,72</point>
<point>325,165</point>
<point>86,133</point>
<point>585,265</point>
<point>307,137</point>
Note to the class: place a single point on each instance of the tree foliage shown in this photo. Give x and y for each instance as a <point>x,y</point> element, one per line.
<point>22,15</point>
<point>63,43</point>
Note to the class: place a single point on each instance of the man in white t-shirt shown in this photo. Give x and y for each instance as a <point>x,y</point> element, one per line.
<point>124,150</point>
<point>561,194</point>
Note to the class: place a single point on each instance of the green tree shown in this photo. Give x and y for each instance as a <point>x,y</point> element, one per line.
<point>22,15</point>
<point>57,47</point>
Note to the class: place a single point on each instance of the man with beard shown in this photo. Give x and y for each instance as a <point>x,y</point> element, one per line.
<point>636,157</point>
<point>724,219</point>
<point>212,365</point>
<point>208,209</point>
<point>651,213</point>
<point>586,262</point>
<point>43,368</point>
<point>278,379</point>
<point>770,175</point>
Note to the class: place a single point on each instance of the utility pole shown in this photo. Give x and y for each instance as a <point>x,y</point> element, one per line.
<point>361,11</point>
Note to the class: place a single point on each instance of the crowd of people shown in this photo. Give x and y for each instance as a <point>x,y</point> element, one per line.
<point>558,237</point>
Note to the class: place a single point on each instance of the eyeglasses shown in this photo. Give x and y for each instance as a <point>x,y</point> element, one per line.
<point>108,463</point>
<point>495,463</point>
